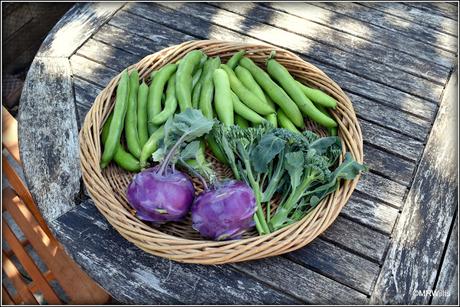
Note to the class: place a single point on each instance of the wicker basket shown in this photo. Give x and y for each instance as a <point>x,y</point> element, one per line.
<point>178,241</point>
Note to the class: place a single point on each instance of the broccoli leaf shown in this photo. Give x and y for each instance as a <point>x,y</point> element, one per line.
<point>266,150</point>
<point>348,170</point>
<point>294,165</point>
<point>190,151</point>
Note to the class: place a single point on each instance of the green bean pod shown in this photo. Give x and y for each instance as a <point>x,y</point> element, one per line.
<point>196,77</point>
<point>286,123</point>
<point>212,144</point>
<point>288,83</point>
<point>245,112</point>
<point>170,103</point>
<point>249,82</point>
<point>151,145</point>
<point>116,125</point>
<point>317,96</point>
<point>207,87</point>
<point>131,134</point>
<point>223,97</point>
<point>233,61</point>
<point>272,118</point>
<point>142,127</point>
<point>184,78</point>
<point>333,130</point>
<point>122,158</point>
<point>240,121</point>
<point>156,92</point>
<point>276,93</point>
<point>246,96</point>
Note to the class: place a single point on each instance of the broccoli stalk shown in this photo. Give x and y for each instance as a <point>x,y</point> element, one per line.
<point>312,175</point>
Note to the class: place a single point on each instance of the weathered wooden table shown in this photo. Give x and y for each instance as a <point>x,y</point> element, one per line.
<point>396,239</point>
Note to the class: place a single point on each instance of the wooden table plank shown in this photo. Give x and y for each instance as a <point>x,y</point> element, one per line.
<point>422,230</point>
<point>447,283</point>
<point>294,279</point>
<point>334,47</point>
<point>337,264</point>
<point>370,212</point>
<point>418,16</point>
<point>382,188</point>
<point>77,25</point>
<point>355,237</point>
<point>392,23</point>
<point>50,152</point>
<point>437,8</point>
<point>96,246</point>
<point>398,43</point>
<point>347,80</point>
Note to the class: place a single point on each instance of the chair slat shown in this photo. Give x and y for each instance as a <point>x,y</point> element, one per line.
<point>10,253</point>
<point>10,134</point>
<point>18,185</point>
<point>6,297</point>
<point>50,296</point>
<point>77,285</point>
<point>13,274</point>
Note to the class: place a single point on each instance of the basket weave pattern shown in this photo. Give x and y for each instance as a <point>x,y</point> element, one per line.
<point>178,241</point>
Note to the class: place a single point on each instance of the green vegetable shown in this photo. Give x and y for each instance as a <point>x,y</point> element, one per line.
<point>180,130</point>
<point>170,103</point>
<point>233,61</point>
<point>289,84</point>
<point>333,130</point>
<point>131,134</point>
<point>156,91</point>
<point>116,125</point>
<point>272,118</point>
<point>184,78</point>
<point>285,122</point>
<point>142,128</point>
<point>274,91</point>
<point>298,166</point>
<point>318,96</point>
<point>151,146</point>
<point>122,158</point>
<point>207,87</point>
<point>240,121</point>
<point>223,97</point>
<point>248,81</point>
<point>245,95</point>
<point>242,110</point>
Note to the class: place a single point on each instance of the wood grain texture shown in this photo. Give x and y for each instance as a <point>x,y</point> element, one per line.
<point>300,282</point>
<point>357,238</point>
<point>370,212</point>
<point>381,188</point>
<point>336,48</point>
<point>146,279</point>
<point>398,25</point>
<point>437,8</point>
<point>423,227</point>
<point>396,45</point>
<point>49,151</point>
<point>447,282</point>
<point>77,25</point>
<point>418,16</point>
<point>337,264</point>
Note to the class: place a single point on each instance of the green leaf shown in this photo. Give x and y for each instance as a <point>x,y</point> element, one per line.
<point>348,170</point>
<point>266,150</point>
<point>322,145</point>
<point>294,162</point>
<point>190,151</point>
<point>192,123</point>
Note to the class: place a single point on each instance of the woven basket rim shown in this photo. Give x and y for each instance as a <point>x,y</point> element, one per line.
<point>143,236</point>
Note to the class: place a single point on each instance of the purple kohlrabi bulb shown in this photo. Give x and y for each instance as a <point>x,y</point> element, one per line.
<point>160,198</point>
<point>224,212</point>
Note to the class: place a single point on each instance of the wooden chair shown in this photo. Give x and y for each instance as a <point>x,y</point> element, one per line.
<point>29,284</point>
